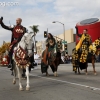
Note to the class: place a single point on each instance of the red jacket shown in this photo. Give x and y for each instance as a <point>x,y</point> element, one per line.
<point>17,32</point>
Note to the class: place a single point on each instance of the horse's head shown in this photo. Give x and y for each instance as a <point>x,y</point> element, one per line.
<point>27,43</point>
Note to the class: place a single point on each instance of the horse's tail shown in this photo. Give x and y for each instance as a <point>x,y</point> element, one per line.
<point>44,56</point>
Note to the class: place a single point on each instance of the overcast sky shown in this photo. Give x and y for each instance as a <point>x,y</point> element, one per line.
<point>44,12</point>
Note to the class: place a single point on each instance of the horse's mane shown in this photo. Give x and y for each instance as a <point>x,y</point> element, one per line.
<point>23,37</point>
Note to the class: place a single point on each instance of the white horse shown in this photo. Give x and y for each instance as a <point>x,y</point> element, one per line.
<point>21,55</point>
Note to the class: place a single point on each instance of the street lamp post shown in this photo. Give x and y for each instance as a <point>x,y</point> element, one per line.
<point>64,32</point>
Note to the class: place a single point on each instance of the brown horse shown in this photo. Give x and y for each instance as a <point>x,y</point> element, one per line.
<point>90,59</point>
<point>45,62</point>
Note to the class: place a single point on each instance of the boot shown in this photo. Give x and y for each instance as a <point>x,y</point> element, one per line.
<point>32,62</point>
<point>10,64</point>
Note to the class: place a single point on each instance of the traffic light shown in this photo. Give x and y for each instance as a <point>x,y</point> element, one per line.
<point>65,46</point>
<point>66,52</point>
<point>45,34</point>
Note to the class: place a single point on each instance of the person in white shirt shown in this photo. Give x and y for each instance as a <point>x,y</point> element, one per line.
<point>70,58</point>
<point>36,58</point>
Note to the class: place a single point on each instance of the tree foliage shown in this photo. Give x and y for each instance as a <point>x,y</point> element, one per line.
<point>34,29</point>
<point>4,47</point>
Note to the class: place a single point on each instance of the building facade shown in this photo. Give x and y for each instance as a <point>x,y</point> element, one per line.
<point>69,37</point>
<point>40,46</point>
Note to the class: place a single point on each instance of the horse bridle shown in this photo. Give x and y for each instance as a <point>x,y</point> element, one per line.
<point>27,44</point>
<point>28,49</point>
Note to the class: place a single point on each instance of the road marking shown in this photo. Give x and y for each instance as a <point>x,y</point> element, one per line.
<point>67,82</point>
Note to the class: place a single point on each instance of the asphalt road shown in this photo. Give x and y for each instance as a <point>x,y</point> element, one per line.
<point>67,86</point>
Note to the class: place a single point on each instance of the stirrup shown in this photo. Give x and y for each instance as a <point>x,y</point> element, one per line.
<point>32,64</point>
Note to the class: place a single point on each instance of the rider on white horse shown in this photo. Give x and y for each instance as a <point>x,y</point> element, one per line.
<point>17,33</point>
<point>21,58</point>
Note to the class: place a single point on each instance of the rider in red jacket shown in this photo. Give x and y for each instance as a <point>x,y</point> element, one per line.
<point>17,32</point>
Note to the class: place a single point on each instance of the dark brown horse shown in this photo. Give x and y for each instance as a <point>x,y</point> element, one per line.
<point>45,62</point>
<point>90,59</point>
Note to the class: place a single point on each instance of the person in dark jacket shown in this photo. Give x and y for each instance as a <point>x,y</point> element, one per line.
<point>17,32</point>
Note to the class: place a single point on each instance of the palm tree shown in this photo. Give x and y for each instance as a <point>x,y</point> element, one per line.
<point>35,30</point>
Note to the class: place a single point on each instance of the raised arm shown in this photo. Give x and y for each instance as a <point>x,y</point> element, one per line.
<point>4,26</point>
<point>79,35</point>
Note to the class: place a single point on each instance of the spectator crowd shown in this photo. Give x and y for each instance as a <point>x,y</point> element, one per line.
<point>68,59</point>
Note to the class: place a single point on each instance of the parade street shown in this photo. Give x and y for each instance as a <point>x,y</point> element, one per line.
<point>67,86</point>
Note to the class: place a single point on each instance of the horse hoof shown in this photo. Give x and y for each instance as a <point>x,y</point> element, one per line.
<point>27,88</point>
<point>14,82</point>
<point>86,73</point>
<point>47,74</point>
<point>55,74</point>
<point>79,73</point>
<point>75,72</point>
<point>21,89</point>
<point>95,74</point>
<point>23,78</point>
